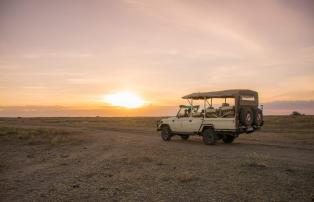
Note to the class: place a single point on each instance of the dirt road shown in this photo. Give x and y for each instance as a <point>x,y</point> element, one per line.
<point>134,164</point>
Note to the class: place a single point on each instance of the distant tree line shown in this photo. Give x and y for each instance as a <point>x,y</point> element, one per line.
<point>296,113</point>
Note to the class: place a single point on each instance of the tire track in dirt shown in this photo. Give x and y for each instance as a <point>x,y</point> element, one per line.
<point>148,133</point>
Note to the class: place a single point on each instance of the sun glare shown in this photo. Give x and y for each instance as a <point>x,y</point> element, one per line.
<point>124,99</point>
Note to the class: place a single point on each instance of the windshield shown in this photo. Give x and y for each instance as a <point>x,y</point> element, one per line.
<point>187,110</point>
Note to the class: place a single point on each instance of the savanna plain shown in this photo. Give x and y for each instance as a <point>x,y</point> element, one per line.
<point>124,159</point>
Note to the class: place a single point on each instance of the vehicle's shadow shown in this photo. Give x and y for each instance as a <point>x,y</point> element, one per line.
<point>198,141</point>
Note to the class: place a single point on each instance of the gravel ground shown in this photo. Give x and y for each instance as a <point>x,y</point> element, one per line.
<point>128,163</point>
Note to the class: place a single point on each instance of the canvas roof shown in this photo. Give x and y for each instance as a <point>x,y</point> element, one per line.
<point>220,94</point>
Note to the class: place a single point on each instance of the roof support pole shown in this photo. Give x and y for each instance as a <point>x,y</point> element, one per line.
<point>191,108</point>
<point>189,101</point>
<point>205,100</point>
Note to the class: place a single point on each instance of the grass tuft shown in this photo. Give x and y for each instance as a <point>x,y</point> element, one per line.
<point>185,176</point>
<point>256,160</point>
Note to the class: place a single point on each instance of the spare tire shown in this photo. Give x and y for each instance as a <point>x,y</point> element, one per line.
<point>258,118</point>
<point>246,116</point>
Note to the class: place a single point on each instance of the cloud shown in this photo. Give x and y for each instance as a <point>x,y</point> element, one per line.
<point>171,48</point>
<point>81,81</point>
<point>52,55</point>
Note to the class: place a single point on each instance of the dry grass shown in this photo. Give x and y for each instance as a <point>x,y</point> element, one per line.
<point>185,176</point>
<point>282,124</point>
<point>272,123</point>
<point>124,159</point>
<point>257,160</point>
<point>139,160</point>
<point>34,136</point>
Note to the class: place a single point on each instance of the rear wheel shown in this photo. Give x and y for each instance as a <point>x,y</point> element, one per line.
<point>228,139</point>
<point>209,136</point>
<point>165,133</point>
<point>185,137</point>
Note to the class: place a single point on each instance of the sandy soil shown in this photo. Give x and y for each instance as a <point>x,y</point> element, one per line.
<point>102,161</point>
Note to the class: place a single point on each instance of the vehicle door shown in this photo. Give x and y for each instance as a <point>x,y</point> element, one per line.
<point>193,124</point>
<point>175,124</point>
<point>183,125</point>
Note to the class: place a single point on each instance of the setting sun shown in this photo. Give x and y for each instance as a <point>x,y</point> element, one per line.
<point>124,99</point>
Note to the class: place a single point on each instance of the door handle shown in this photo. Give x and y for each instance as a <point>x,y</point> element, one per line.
<point>172,120</point>
<point>190,120</point>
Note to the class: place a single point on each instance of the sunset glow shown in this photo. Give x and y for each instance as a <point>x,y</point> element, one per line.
<point>124,99</point>
<point>73,53</point>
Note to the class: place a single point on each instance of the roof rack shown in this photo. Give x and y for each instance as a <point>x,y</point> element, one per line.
<point>220,94</point>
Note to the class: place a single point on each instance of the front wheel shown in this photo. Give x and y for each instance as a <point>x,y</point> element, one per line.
<point>165,133</point>
<point>228,139</point>
<point>209,136</point>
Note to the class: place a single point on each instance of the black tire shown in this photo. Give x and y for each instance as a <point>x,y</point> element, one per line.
<point>165,133</point>
<point>185,137</point>
<point>209,136</point>
<point>246,116</point>
<point>228,139</point>
<point>258,118</point>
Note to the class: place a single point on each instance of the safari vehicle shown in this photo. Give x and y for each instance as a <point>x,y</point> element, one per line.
<point>226,122</point>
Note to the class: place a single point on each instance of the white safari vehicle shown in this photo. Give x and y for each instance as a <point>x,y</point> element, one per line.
<point>224,122</point>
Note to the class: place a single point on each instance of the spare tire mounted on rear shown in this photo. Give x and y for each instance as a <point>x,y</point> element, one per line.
<point>258,118</point>
<point>246,116</point>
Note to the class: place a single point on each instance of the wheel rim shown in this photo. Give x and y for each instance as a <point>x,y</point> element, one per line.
<point>248,117</point>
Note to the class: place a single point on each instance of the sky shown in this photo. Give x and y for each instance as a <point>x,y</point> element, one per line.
<point>64,56</point>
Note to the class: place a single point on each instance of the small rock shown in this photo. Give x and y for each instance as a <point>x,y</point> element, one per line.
<point>76,186</point>
<point>30,156</point>
<point>290,170</point>
<point>64,156</point>
<point>108,175</point>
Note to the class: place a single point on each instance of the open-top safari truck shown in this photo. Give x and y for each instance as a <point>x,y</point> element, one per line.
<point>225,122</point>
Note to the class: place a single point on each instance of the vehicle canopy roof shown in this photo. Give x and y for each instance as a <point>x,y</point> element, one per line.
<point>233,93</point>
